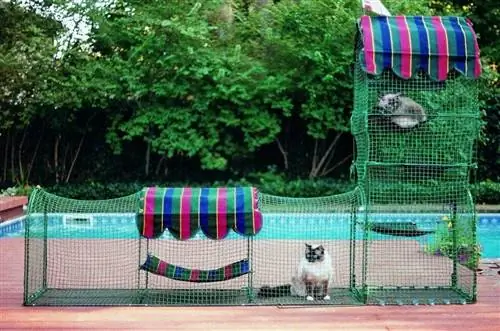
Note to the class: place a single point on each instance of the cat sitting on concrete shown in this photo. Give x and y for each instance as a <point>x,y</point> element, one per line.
<point>313,278</point>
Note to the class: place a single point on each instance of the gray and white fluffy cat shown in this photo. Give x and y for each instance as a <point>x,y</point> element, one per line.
<point>312,280</point>
<point>402,111</point>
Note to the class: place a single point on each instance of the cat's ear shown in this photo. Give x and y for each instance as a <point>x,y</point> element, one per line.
<point>308,246</point>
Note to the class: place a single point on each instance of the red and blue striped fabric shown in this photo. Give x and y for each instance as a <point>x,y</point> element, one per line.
<point>407,44</point>
<point>157,266</point>
<point>184,210</point>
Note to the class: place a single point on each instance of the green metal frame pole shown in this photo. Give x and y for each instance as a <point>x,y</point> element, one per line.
<point>45,245</point>
<point>454,239</point>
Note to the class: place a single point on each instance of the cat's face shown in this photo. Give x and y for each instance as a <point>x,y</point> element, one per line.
<point>390,101</point>
<point>314,253</point>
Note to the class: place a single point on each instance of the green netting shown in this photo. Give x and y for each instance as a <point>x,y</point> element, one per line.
<point>405,235</point>
<point>92,253</point>
<point>424,169</point>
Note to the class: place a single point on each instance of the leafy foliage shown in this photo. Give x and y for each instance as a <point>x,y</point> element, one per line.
<point>484,16</point>
<point>487,192</point>
<point>455,240</point>
<point>25,64</point>
<point>190,91</point>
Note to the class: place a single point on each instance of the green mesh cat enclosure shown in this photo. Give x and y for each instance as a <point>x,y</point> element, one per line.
<point>415,122</point>
<point>405,235</point>
<point>184,246</point>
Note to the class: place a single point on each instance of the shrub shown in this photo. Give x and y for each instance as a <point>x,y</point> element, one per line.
<point>461,248</point>
<point>487,192</point>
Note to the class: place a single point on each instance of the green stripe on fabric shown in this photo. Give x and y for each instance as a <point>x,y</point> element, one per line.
<point>236,268</point>
<point>158,210</point>
<point>176,208</point>
<point>203,275</point>
<point>248,215</point>
<point>470,43</point>
<point>139,219</point>
<point>396,46</point>
<point>186,273</point>
<point>154,263</point>
<point>231,207</point>
<point>415,44</point>
<point>378,47</point>
<point>433,47</point>
<point>452,38</point>
<point>452,44</point>
<point>470,40</point>
<point>195,208</point>
<point>212,211</point>
<point>170,271</point>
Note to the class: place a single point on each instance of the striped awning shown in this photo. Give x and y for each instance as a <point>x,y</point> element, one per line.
<point>184,210</point>
<point>407,44</point>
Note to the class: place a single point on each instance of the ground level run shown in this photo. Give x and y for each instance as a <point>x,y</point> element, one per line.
<point>484,315</point>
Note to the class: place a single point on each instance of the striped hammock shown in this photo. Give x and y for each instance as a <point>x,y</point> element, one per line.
<point>157,266</point>
<point>407,44</point>
<point>185,210</point>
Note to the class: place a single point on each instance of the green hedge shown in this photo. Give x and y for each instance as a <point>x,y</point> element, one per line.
<point>486,192</point>
<point>292,188</point>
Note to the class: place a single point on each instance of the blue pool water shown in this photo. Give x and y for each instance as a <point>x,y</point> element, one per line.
<point>276,226</point>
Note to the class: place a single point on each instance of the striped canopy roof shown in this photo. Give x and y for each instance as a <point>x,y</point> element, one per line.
<point>185,210</point>
<point>408,44</point>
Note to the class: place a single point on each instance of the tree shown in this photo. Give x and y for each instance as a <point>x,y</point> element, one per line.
<point>161,89</point>
<point>484,16</point>
<point>26,63</point>
<point>181,90</point>
<point>310,44</point>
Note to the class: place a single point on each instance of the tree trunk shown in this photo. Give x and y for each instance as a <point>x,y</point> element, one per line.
<point>79,148</point>
<point>13,157</point>
<point>63,162</point>
<point>56,158</point>
<point>158,165</point>
<point>20,157</point>
<point>284,153</point>
<point>35,153</point>
<point>336,165</point>
<point>6,157</point>
<point>318,167</point>
<point>148,158</point>
<point>73,161</point>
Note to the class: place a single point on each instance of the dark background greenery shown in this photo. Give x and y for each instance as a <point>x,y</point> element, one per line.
<point>199,93</point>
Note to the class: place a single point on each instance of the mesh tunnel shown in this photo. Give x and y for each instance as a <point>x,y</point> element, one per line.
<point>100,252</point>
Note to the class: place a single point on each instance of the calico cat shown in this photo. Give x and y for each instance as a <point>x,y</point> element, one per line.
<point>313,278</point>
<point>402,111</point>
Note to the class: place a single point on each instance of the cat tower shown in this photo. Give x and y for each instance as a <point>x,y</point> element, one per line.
<point>405,235</point>
<point>420,170</point>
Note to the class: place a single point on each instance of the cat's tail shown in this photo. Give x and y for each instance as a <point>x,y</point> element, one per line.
<point>274,292</point>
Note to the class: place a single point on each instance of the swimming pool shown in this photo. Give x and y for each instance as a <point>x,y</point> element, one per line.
<point>276,226</point>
